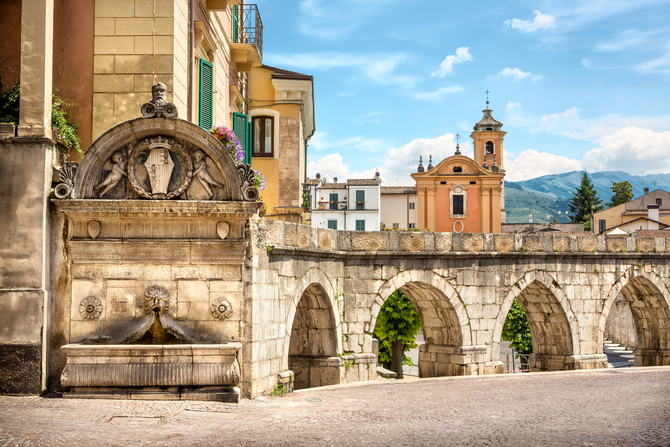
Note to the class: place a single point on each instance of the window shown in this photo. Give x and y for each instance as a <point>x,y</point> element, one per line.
<point>659,202</point>
<point>602,225</point>
<point>458,169</point>
<point>332,224</point>
<point>473,182</point>
<point>412,225</point>
<point>360,225</point>
<point>333,201</point>
<point>457,205</point>
<point>395,225</point>
<point>360,200</point>
<point>205,94</point>
<point>489,147</point>
<point>262,136</point>
<point>411,205</point>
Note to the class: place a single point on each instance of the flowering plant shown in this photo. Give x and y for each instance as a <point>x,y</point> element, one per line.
<point>230,141</point>
<point>228,138</point>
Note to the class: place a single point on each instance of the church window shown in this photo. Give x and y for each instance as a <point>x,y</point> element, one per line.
<point>458,169</point>
<point>457,204</point>
<point>489,147</point>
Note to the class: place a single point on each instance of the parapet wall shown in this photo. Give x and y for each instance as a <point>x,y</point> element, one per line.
<point>285,234</point>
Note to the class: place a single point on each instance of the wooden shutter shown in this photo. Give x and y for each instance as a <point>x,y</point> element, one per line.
<point>333,201</point>
<point>241,130</point>
<point>360,225</point>
<point>360,197</point>
<point>206,94</point>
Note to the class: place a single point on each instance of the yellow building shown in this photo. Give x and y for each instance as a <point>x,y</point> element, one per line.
<point>106,54</point>
<point>462,194</point>
<point>281,113</point>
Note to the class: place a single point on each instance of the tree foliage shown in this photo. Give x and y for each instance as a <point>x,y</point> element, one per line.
<point>585,200</point>
<point>517,330</point>
<point>397,320</point>
<point>622,192</point>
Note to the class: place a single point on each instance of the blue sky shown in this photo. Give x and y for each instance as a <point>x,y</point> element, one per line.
<point>577,84</point>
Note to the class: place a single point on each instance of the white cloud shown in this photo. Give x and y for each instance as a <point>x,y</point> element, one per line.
<point>437,94</point>
<point>447,65</point>
<point>570,124</point>
<point>329,20</point>
<point>631,149</point>
<point>531,163</point>
<point>517,75</point>
<point>399,162</point>
<point>378,67</point>
<point>540,21</point>
<point>516,117</point>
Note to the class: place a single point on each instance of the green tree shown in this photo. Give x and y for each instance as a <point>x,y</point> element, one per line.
<point>397,324</point>
<point>517,330</point>
<point>622,192</point>
<point>585,200</point>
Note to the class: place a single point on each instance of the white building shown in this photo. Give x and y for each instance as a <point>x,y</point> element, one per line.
<point>353,205</point>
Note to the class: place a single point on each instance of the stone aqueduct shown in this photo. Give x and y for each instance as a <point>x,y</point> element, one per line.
<point>316,295</point>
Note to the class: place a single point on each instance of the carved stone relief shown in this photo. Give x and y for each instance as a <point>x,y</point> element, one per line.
<point>90,308</point>
<point>156,299</point>
<point>222,308</point>
<point>64,190</point>
<point>114,170</point>
<point>222,229</point>
<point>93,228</point>
<point>159,106</point>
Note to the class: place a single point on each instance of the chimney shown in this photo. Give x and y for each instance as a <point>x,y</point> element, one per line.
<point>646,191</point>
<point>334,179</point>
<point>318,175</point>
<point>653,213</point>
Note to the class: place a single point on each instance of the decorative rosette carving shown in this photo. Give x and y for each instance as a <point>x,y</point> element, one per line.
<point>156,299</point>
<point>64,189</point>
<point>222,308</point>
<point>248,177</point>
<point>90,308</point>
<point>65,377</point>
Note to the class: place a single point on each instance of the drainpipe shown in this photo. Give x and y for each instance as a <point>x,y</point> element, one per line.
<point>191,52</point>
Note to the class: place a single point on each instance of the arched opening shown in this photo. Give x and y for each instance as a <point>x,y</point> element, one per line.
<point>550,331</point>
<point>650,313</point>
<point>489,147</point>
<point>620,335</point>
<point>516,344</point>
<point>445,324</point>
<point>313,340</point>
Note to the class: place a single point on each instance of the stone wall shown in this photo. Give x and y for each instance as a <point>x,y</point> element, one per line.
<point>463,286</point>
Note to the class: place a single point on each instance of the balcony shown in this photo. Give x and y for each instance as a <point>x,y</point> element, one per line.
<point>246,38</point>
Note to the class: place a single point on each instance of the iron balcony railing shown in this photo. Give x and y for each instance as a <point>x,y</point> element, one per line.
<point>247,26</point>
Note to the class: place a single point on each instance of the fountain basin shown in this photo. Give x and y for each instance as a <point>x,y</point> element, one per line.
<point>184,371</point>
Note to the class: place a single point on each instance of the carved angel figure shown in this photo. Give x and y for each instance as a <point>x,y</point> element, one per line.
<point>117,170</point>
<point>201,173</point>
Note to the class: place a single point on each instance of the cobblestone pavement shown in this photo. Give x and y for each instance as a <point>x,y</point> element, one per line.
<point>622,407</point>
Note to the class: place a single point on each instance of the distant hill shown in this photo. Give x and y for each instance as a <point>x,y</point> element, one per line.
<point>549,194</point>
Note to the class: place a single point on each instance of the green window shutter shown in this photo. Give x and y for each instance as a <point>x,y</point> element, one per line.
<point>236,24</point>
<point>333,201</point>
<point>241,131</point>
<point>247,148</point>
<point>360,200</point>
<point>360,225</point>
<point>206,94</point>
<point>332,225</point>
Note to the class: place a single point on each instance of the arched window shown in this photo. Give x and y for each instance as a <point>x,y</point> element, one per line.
<point>458,169</point>
<point>489,147</point>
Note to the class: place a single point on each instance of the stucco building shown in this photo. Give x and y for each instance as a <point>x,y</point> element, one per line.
<point>462,194</point>
<point>398,207</point>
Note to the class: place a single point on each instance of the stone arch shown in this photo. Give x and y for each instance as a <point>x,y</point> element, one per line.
<point>313,330</point>
<point>553,325</point>
<point>649,301</point>
<point>443,315</point>
<point>133,131</point>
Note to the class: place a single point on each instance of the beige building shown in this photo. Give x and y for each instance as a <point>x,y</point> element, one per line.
<point>398,207</point>
<point>649,212</point>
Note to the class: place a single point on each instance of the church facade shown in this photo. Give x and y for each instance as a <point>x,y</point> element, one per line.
<point>463,194</point>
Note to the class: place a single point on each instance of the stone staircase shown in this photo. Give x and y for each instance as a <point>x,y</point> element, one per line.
<point>618,356</point>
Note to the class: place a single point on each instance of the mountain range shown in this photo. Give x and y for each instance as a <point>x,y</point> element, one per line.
<point>543,197</point>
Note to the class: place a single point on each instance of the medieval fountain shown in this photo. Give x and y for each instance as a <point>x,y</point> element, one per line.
<point>154,219</point>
